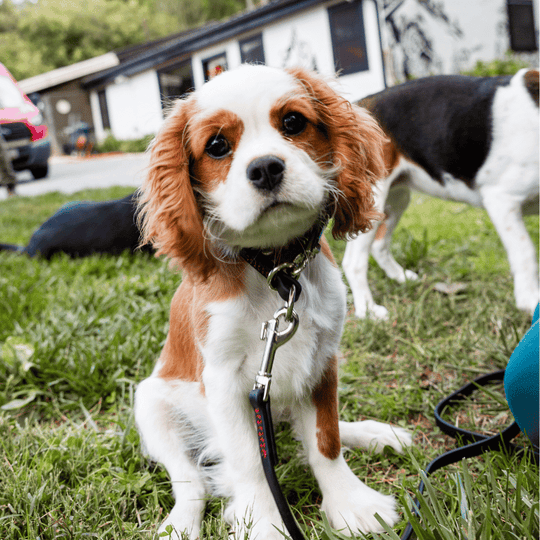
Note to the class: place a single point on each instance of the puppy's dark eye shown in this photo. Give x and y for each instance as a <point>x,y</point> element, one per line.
<point>217,146</point>
<point>294,123</point>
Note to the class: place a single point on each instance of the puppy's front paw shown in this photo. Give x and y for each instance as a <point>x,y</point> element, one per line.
<point>256,520</point>
<point>354,511</point>
<point>177,524</point>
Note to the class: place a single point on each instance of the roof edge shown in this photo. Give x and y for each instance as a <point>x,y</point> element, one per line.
<point>69,73</point>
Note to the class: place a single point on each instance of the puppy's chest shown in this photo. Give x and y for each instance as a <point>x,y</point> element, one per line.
<point>234,344</point>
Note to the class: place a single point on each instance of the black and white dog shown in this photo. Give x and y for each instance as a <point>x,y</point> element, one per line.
<point>466,139</point>
<point>83,228</point>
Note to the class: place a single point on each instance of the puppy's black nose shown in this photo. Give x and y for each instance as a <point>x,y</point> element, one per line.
<point>266,172</point>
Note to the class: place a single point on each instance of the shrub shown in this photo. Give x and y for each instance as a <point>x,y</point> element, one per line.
<point>509,65</point>
<point>111,144</point>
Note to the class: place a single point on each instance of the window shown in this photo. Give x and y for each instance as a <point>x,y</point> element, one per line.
<point>10,95</point>
<point>102,99</point>
<point>251,50</point>
<point>521,25</point>
<point>214,66</point>
<point>348,37</point>
<point>175,81</point>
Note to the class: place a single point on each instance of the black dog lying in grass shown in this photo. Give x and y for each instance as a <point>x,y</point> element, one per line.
<point>84,228</point>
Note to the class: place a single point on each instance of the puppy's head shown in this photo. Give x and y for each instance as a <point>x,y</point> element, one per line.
<point>251,160</point>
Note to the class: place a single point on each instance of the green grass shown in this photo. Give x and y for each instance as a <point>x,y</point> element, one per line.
<point>77,335</point>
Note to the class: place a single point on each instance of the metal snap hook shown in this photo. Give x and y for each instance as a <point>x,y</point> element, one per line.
<point>290,304</point>
<point>283,336</point>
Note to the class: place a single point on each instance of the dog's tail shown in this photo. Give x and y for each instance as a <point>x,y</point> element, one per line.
<point>11,247</point>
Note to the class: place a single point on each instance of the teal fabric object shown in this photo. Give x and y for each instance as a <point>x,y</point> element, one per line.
<point>521,381</point>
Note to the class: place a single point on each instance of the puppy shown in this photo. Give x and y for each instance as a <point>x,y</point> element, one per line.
<point>251,161</point>
<point>83,228</point>
<point>466,139</point>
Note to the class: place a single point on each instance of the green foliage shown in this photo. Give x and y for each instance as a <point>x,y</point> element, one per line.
<point>36,37</point>
<point>76,336</point>
<point>509,65</point>
<point>111,144</point>
<point>193,13</point>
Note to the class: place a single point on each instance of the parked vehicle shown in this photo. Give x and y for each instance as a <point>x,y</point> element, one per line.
<point>23,128</point>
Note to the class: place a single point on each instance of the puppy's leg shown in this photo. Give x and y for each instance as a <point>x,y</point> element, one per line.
<point>505,212</point>
<point>397,201</point>
<point>356,258</point>
<point>251,509</point>
<point>349,504</point>
<point>165,429</point>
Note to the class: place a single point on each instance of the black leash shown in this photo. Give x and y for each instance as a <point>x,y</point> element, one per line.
<point>478,443</point>
<point>267,445</point>
<point>281,268</point>
<point>260,401</point>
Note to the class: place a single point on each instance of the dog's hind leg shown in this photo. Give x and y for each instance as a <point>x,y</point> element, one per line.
<point>396,203</point>
<point>356,259</point>
<point>505,212</point>
<point>168,437</point>
<point>355,266</point>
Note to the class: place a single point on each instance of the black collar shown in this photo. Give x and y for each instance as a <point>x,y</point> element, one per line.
<point>282,266</point>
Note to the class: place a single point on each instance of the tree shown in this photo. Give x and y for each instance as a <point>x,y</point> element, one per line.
<point>41,36</point>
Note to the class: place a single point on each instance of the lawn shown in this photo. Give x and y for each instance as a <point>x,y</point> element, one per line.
<point>76,336</point>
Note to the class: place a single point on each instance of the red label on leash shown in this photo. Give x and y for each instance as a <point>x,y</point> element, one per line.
<point>260,433</point>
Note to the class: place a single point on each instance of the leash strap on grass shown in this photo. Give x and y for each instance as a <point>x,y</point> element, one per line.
<point>480,443</point>
<point>267,447</point>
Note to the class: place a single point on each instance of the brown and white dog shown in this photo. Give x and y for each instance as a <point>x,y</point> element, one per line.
<point>251,160</point>
<point>466,139</point>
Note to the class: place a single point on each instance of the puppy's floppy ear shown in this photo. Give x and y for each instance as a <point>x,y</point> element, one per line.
<point>356,142</point>
<point>169,216</point>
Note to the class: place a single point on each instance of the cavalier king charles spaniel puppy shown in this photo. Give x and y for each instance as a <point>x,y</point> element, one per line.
<point>252,160</point>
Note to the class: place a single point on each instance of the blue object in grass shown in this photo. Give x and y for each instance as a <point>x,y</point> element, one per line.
<point>521,381</point>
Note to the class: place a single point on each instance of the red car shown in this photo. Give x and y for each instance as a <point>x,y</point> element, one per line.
<point>23,127</point>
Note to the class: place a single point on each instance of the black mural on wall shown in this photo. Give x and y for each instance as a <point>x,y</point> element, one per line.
<point>412,46</point>
<point>299,53</point>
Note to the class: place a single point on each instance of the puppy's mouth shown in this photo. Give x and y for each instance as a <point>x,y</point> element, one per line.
<point>276,225</point>
<point>275,205</point>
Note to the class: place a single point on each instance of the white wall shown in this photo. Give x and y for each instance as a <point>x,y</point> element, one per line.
<point>134,106</point>
<point>99,132</point>
<point>450,41</point>
<point>303,40</point>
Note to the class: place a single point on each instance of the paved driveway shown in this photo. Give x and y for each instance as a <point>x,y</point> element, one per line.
<point>71,174</point>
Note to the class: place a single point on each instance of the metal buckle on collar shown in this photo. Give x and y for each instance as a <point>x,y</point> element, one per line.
<point>294,268</point>
<point>285,276</point>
